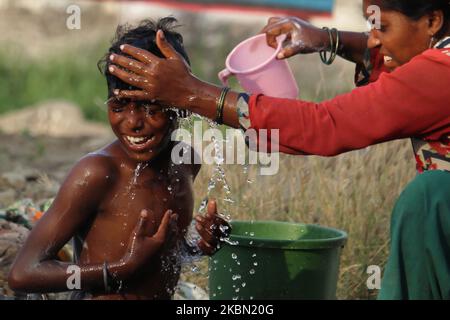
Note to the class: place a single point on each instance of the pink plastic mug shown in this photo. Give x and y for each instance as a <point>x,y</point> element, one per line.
<point>258,70</point>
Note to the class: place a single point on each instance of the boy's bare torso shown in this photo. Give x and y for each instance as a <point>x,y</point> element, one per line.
<point>156,186</point>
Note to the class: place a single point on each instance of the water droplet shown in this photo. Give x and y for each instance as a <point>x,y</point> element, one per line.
<point>234,256</point>
<point>236,277</point>
<point>253,255</point>
<point>243,284</point>
<point>255,263</point>
<point>169,188</point>
<point>252,271</point>
<point>228,200</point>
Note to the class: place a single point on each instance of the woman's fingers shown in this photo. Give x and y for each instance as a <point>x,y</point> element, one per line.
<point>129,78</point>
<point>139,54</point>
<point>270,22</point>
<point>130,64</point>
<point>277,29</point>
<point>137,95</point>
<point>167,50</point>
<point>289,49</point>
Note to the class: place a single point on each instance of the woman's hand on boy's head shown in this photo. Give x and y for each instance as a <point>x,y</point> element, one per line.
<point>152,74</point>
<point>212,229</point>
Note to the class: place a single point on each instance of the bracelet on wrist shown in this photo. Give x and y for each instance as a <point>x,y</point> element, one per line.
<point>334,46</point>
<point>220,104</point>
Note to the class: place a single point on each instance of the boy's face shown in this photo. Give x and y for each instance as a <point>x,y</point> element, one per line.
<point>143,128</point>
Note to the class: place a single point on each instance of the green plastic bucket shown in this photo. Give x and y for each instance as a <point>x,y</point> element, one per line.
<point>277,260</point>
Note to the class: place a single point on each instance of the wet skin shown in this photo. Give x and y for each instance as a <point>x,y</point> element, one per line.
<point>134,222</point>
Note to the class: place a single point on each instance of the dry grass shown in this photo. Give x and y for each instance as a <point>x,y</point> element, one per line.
<point>354,192</point>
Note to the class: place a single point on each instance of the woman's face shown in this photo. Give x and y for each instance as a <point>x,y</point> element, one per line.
<point>399,37</point>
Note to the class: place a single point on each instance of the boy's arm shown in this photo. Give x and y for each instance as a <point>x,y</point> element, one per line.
<point>35,268</point>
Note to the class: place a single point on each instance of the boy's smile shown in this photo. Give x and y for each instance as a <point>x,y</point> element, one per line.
<point>141,127</point>
<point>138,143</point>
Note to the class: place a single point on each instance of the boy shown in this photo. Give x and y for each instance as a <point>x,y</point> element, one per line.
<point>127,206</point>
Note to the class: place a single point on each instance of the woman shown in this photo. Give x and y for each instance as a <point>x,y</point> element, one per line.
<point>403,69</point>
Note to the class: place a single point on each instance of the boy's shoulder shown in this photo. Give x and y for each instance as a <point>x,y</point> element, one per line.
<point>95,168</point>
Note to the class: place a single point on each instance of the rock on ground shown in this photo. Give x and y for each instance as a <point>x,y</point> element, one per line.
<point>12,237</point>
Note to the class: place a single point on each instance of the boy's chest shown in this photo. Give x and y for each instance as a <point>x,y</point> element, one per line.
<point>153,191</point>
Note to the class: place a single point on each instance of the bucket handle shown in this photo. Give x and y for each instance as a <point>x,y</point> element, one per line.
<point>224,75</point>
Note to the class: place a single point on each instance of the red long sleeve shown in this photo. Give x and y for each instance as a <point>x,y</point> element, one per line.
<point>412,101</point>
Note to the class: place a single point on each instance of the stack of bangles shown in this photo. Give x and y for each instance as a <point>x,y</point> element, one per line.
<point>334,46</point>
<point>220,104</point>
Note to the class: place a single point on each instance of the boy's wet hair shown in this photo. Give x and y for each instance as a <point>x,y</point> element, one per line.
<point>143,36</point>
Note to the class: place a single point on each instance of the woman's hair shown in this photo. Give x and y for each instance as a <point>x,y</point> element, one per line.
<point>143,36</point>
<point>415,9</point>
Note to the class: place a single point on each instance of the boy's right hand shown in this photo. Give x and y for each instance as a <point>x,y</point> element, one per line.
<point>141,247</point>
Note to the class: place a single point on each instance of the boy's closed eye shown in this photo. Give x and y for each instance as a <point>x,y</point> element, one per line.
<point>119,105</point>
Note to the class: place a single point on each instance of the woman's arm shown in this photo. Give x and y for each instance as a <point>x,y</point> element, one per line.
<point>411,101</point>
<point>154,75</point>
<point>354,46</point>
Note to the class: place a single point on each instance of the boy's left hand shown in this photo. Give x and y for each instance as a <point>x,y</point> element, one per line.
<point>212,228</point>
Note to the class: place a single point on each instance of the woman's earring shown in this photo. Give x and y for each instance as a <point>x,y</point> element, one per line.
<point>431,42</point>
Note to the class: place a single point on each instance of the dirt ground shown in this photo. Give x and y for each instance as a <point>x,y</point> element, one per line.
<point>32,168</point>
